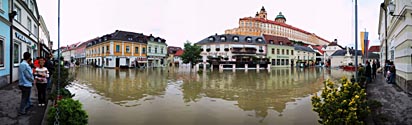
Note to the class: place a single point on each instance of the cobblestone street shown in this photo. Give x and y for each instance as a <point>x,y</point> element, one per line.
<point>9,104</point>
<point>396,104</point>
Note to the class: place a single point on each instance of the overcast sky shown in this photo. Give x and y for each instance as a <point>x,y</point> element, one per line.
<point>193,20</point>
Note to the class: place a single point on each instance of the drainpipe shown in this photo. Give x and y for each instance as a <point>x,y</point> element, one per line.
<point>11,18</point>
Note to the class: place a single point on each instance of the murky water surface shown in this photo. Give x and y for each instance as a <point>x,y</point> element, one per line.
<point>178,97</point>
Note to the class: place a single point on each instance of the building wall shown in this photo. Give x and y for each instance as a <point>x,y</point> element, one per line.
<point>228,54</point>
<point>400,43</point>
<point>287,55</point>
<point>4,43</point>
<point>304,56</point>
<point>108,58</point>
<point>337,61</point>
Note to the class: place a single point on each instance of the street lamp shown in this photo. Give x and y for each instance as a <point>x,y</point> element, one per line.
<point>391,8</point>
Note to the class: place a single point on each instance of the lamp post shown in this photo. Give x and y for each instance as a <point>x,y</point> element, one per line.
<point>12,14</point>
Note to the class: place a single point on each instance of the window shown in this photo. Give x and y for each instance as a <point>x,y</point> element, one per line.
<point>161,50</point>
<point>287,62</point>
<point>102,49</point>
<point>16,53</point>
<point>107,49</point>
<point>31,6</point>
<point>28,23</point>
<point>278,62</point>
<point>150,49</point>
<point>235,38</point>
<point>127,49</point>
<point>136,50</point>
<point>283,52</point>
<point>211,39</point>
<point>273,51</point>
<point>117,48</point>
<point>28,49</point>
<point>277,51</point>
<point>287,52</point>
<point>1,51</point>
<point>18,16</point>
<point>155,50</point>
<point>36,31</point>
<point>143,50</point>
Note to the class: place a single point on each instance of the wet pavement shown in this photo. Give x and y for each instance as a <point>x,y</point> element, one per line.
<point>10,103</point>
<point>396,104</point>
<point>180,97</point>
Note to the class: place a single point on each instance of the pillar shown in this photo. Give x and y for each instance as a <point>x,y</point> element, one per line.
<point>234,67</point>
<point>269,68</point>
<point>246,67</point>
<point>211,67</point>
<point>258,67</point>
<point>204,67</point>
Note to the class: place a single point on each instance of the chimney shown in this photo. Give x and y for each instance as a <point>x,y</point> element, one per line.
<point>335,40</point>
<point>215,34</point>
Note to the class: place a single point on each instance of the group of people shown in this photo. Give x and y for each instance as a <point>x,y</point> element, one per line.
<point>390,72</point>
<point>36,73</point>
<point>370,71</point>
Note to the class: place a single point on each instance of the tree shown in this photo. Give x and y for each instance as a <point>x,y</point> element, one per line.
<point>191,53</point>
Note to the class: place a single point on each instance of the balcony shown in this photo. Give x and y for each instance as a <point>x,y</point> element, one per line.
<point>243,51</point>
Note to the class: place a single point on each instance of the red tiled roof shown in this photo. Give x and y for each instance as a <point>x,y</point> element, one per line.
<point>319,48</point>
<point>374,49</point>
<point>283,25</point>
<point>276,39</point>
<point>179,52</point>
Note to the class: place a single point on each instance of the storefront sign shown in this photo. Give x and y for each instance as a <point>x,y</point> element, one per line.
<point>283,56</point>
<point>23,38</point>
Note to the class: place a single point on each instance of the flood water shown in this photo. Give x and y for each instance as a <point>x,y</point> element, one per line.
<point>178,97</point>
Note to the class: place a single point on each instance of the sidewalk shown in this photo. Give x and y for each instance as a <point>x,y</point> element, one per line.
<point>396,104</point>
<point>10,97</point>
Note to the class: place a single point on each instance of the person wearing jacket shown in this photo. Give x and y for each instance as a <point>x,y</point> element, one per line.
<point>26,80</point>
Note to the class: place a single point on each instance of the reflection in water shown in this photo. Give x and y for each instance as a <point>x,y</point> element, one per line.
<point>199,98</point>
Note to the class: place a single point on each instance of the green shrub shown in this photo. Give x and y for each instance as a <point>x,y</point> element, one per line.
<point>70,113</point>
<point>346,105</point>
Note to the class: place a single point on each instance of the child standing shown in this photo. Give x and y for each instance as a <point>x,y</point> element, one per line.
<point>41,74</point>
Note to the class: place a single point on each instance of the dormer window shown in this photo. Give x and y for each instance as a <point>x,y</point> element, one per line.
<point>280,43</point>
<point>248,39</point>
<point>105,38</point>
<point>159,40</point>
<point>236,39</point>
<point>259,40</point>
<point>223,38</point>
<point>130,38</point>
<point>211,39</point>
<point>271,41</point>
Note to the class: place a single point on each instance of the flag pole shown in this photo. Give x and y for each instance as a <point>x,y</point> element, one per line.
<point>356,40</point>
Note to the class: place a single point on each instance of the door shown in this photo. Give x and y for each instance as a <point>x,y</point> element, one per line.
<point>117,62</point>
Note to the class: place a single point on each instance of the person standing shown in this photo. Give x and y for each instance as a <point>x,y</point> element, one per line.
<point>368,72</point>
<point>374,68</point>
<point>41,76</point>
<point>50,67</point>
<point>26,80</point>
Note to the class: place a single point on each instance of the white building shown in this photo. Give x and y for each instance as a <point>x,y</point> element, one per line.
<point>344,58</point>
<point>329,50</point>
<point>395,19</point>
<point>44,38</point>
<point>25,31</point>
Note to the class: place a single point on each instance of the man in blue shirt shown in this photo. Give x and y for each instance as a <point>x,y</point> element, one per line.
<point>26,79</point>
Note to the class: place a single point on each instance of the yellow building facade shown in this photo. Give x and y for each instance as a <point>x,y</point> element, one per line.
<point>259,25</point>
<point>120,49</point>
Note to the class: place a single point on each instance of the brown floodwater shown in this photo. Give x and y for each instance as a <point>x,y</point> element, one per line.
<point>179,97</point>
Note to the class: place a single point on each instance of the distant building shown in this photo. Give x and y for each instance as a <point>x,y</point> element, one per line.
<point>280,51</point>
<point>119,49</point>
<point>329,50</point>
<point>260,24</point>
<point>156,51</point>
<point>174,55</point>
<point>68,52</point>
<point>233,49</point>
<point>344,57</point>
<point>304,55</point>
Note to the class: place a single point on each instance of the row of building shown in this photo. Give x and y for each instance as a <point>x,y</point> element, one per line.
<point>23,29</point>
<point>395,35</point>
<point>259,41</point>
<point>123,49</point>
